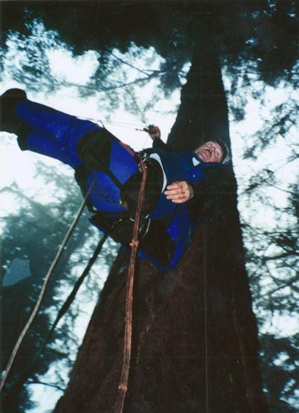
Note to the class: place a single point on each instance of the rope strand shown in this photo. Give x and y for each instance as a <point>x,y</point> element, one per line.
<point>43,289</point>
<point>30,368</point>
<point>123,384</point>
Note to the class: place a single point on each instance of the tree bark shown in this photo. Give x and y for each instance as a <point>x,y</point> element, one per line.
<point>195,346</point>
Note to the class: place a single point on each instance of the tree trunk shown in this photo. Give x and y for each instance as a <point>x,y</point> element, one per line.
<point>195,347</point>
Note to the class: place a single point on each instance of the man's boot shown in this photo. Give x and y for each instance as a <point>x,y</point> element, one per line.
<point>8,102</point>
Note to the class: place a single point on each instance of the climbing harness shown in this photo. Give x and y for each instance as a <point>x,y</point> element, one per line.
<point>127,350</point>
<point>43,289</point>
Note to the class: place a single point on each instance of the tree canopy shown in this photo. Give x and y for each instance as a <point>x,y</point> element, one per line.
<point>257,47</point>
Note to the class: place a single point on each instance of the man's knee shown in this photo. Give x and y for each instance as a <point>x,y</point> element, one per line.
<point>94,149</point>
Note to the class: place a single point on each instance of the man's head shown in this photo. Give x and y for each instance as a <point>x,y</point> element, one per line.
<point>213,151</point>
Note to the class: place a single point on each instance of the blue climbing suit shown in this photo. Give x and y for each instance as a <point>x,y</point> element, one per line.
<point>57,135</point>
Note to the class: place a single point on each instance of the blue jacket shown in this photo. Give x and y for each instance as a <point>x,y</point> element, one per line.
<point>181,219</point>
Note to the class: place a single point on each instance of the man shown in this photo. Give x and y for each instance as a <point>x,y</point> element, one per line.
<point>176,194</point>
<point>209,152</point>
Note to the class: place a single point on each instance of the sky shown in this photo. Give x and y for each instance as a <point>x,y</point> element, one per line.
<point>19,167</point>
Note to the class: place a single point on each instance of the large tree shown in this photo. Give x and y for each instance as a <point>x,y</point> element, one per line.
<point>195,339</point>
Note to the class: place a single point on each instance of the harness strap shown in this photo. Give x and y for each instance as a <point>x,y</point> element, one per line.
<point>134,154</point>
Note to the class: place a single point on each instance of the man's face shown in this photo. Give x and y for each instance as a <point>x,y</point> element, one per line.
<point>210,152</point>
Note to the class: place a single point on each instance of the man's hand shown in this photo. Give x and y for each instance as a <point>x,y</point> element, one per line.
<point>179,192</point>
<point>154,132</point>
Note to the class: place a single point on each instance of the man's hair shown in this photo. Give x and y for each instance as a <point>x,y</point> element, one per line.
<point>225,149</point>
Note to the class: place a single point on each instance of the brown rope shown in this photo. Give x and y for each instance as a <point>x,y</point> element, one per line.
<point>123,384</point>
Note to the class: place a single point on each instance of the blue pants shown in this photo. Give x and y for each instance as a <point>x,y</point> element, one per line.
<point>67,138</point>
<point>56,134</point>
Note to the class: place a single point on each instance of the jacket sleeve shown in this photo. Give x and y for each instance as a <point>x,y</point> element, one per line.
<point>158,143</point>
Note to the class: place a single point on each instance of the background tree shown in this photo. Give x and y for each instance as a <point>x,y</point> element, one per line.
<point>250,42</point>
<point>27,235</point>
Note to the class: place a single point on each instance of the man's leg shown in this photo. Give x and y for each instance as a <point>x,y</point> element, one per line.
<point>95,146</point>
<point>73,141</point>
<point>28,137</point>
<point>48,131</point>
<point>65,129</point>
<point>38,143</point>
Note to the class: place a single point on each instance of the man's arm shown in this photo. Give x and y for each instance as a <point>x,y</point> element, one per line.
<point>155,133</point>
<point>178,191</point>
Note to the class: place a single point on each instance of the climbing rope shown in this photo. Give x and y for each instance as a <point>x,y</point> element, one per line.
<point>205,278</point>
<point>66,305</point>
<point>43,289</point>
<point>127,350</point>
<point>205,302</point>
<point>124,125</point>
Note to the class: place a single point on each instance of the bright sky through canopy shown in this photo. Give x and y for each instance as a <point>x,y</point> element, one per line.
<point>19,167</point>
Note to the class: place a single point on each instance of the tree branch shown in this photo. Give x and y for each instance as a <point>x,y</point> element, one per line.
<point>47,384</point>
<point>282,286</point>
